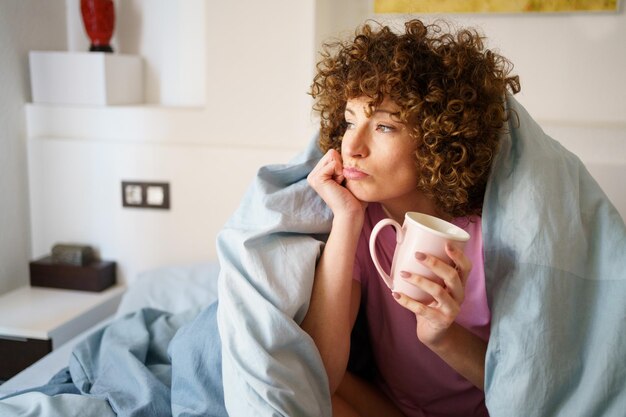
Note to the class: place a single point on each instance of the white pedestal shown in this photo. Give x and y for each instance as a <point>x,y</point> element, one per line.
<point>55,314</point>
<point>90,78</point>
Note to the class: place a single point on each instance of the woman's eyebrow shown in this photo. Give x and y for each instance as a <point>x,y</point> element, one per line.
<point>389,112</point>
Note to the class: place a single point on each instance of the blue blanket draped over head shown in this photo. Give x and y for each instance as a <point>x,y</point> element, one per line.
<point>555,254</point>
<point>555,264</point>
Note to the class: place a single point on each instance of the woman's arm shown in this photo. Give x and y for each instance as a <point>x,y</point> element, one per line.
<point>334,303</point>
<point>464,352</point>
<point>335,297</point>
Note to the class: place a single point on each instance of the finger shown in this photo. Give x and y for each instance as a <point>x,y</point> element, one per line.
<point>338,171</point>
<point>429,313</point>
<point>334,165</point>
<point>444,300</point>
<point>332,155</point>
<point>328,168</point>
<point>460,260</point>
<point>318,167</point>
<point>450,276</point>
<point>329,156</point>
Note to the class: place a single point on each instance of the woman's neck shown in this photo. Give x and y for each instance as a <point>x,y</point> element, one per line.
<point>396,209</point>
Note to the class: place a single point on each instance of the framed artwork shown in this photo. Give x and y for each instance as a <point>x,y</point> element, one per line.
<point>494,6</point>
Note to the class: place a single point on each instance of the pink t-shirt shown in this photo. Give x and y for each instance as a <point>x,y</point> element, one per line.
<point>414,377</point>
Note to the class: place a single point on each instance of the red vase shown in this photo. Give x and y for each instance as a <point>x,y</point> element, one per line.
<point>99,21</point>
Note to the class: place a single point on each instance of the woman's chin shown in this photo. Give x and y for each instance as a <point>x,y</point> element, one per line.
<point>361,193</point>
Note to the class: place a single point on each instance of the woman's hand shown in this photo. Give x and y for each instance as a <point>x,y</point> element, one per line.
<point>434,320</point>
<point>326,179</point>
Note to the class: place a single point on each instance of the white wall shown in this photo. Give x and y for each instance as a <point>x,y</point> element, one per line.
<point>24,25</point>
<point>570,65</point>
<point>260,66</point>
<point>76,197</point>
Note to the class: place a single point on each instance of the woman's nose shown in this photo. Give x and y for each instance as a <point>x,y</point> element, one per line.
<point>354,143</point>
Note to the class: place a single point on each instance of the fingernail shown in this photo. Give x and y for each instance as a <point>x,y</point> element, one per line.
<point>405,274</point>
<point>396,295</point>
<point>420,256</point>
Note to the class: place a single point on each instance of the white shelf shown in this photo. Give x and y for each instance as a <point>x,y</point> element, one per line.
<point>56,314</point>
<point>63,77</point>
<point>118,123</point>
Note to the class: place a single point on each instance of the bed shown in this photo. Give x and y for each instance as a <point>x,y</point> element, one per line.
<point>174,288</point>
<point>554,264</point>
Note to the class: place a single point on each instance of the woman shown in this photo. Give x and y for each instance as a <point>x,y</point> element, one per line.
<point>409,122</point>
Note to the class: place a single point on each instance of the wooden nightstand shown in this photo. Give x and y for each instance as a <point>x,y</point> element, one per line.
<point>36,320</point>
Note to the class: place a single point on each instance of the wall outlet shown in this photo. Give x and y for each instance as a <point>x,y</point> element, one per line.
<point>142,194</point>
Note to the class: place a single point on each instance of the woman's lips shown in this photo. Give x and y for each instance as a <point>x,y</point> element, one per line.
<point>354,174</point>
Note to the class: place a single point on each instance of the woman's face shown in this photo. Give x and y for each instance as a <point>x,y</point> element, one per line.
<point>379,155</point>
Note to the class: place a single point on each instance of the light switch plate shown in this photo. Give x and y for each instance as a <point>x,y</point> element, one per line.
<point>141,194</point>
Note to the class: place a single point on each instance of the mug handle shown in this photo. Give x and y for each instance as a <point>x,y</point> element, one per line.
<point>384,222</point>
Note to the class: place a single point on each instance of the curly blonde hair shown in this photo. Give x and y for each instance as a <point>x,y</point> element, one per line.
<point>451,92</point>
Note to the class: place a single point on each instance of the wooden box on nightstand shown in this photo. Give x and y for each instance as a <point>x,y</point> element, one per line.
<point>95,276</point>
<point>34,321</point>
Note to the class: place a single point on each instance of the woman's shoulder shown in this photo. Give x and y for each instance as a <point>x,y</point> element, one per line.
<point>469,223</point>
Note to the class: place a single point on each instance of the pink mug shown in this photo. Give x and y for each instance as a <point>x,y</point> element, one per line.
<point>419,233</point>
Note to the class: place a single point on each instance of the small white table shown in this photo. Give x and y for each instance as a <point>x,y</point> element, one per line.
<point>36,320</point>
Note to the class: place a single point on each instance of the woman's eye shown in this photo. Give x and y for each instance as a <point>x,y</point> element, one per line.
<point>349,125</point>
<point>385,128</point>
